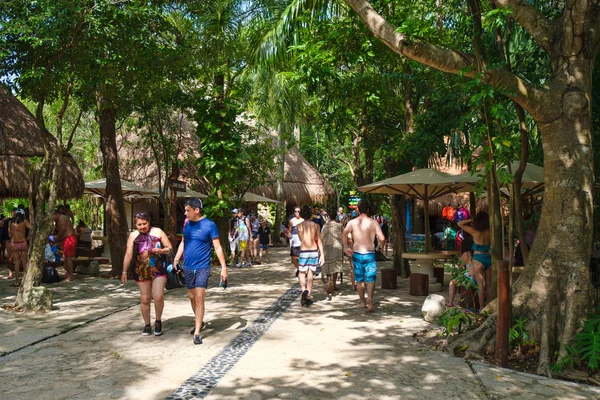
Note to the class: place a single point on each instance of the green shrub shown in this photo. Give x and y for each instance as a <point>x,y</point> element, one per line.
<point>456,319</point>
<point>517,335</point>
<point>585,347</point>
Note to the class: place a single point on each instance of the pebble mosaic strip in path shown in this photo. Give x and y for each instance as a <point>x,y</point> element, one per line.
<point>201,383</point>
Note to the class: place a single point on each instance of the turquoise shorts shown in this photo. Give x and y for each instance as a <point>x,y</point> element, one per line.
<point>365,268</point>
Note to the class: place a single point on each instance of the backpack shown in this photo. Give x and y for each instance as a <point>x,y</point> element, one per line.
<point>175,279</point>
<point>50,274</point>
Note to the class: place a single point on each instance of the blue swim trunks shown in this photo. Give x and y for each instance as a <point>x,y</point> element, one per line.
<point>365,268</point>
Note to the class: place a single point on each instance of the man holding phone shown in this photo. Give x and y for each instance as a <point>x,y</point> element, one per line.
<point>200,235</point>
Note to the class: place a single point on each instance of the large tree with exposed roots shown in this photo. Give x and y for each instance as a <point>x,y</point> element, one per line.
<point>553,291</point>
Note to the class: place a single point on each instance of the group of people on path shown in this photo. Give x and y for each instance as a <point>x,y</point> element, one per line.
<point>311,248</point>
<point>144,264</point>
<point>250,236</point>
<point>147,245</point>
<point>14,240</point>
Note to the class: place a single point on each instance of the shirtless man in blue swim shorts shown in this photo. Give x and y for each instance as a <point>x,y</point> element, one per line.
<point>363,230</point>
<point>311,254</point>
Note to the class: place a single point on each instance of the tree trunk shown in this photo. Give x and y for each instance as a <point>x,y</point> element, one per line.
<point>398,235</point>
<point>114,216</point>
<point>279,217</point>
<point>31,296</point>
<point>172,214</point>
<point>553,292</point>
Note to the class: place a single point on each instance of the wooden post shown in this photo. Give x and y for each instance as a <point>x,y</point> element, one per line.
<point>426,216</point>
<point>503,323</point>
<point>173,204</point>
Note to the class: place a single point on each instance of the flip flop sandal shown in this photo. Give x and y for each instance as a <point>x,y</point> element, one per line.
<point>304,298</point>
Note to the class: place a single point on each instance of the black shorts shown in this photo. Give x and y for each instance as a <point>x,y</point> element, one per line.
<point>254,235</point>
<point>295,251</point>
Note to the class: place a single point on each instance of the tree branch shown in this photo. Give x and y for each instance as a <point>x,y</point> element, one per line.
<point>344,161</point>
<point>447,60</point>
<point>539,27</point>
<point>75,126</point>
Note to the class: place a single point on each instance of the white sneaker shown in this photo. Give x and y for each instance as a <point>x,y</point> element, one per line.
<point>239,265</point>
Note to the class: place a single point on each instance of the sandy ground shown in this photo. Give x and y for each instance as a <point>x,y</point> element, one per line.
<point>90,346</point>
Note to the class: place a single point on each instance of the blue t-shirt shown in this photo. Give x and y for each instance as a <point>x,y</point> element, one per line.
<point>198,237</point>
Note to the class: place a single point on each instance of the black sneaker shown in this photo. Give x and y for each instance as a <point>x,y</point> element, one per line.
<point>201,328</point>
<point>147,330</point>
<point>158,328</point>
<point>308,302</point>
<point>197,339</point>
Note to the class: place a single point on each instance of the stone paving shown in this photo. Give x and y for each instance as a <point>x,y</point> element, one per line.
<point>259,343</point>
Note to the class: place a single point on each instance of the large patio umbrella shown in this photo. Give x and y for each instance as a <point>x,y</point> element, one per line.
<point>424,184</point>
<point>532,180</point>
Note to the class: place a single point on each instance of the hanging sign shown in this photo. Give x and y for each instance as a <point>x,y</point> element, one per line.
<point>177,185</point>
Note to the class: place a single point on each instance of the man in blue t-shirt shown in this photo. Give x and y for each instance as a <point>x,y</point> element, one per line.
<point>199,236</point>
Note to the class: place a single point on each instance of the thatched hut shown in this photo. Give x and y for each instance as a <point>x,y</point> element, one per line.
<point>302,183</point>
<point>454,200</point>
<point>20,140</point>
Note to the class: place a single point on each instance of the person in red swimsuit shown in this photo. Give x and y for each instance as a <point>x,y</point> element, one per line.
<point>66,235</point>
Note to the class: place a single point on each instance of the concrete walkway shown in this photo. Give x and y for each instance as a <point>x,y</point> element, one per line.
<point>259,343</point>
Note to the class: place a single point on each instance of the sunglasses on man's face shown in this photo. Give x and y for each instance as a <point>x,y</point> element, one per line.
<point>296,210</point>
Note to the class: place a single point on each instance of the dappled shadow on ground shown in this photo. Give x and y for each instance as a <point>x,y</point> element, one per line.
<point>90,344</point>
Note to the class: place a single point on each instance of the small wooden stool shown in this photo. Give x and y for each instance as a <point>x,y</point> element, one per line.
<point>438,273</point>
<point>419,285</point>
<point>388,278</point>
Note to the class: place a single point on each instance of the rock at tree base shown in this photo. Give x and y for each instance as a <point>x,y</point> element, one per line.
<point>433,307</point>
<point>93,268</point>
<point>39,298</point>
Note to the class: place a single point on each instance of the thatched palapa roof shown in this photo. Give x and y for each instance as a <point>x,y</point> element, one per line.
<point>303,184</point>
<point>20,140</point>
<point>455,200</point>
